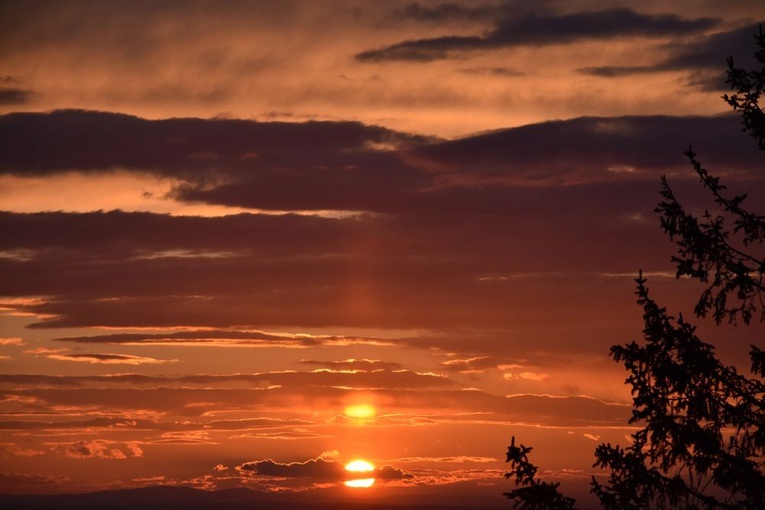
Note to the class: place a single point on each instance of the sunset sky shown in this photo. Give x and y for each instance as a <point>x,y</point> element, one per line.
<point>245,243</point>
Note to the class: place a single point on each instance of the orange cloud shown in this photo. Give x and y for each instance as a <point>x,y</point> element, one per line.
<point>110,359</point>
<point>99,449</point>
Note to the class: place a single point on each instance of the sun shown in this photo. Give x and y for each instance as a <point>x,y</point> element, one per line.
<point>360,411</point>
<point>361,467</point>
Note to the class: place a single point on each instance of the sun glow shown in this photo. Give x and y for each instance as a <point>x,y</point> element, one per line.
<point>361,467</point>
<point>360,411</point>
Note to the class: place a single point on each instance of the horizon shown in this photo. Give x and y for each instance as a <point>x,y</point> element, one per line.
<point>284,247</point>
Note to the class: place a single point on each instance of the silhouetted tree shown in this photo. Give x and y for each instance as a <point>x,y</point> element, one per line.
<point>530,492</point>
<point>711,248</point>
<point>702,445</point>
<point>747,87</point>
<point>703,439</point>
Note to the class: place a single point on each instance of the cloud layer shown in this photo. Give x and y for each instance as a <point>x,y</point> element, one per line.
<point>396,231</point>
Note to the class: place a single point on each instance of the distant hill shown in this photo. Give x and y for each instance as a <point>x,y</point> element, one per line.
<point>185,498</point>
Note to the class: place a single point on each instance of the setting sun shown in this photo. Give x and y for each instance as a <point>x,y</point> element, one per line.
<point>360,466</point>
<point>360,411</point>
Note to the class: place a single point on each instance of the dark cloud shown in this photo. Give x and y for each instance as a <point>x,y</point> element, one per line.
<point>14,96</point>
<point>108,359</point>
<point>342,166</point>
<point>713,50</point>
<point>312,468</point>
<point>616,71</point>
<point>705,58</point>
<point>318,468</point>
<point>588,149</point>
<point>241,163</point>
<point>476,278</point>
<point>550,28</point>
<point>42,143</point>
<point>99,357</point>
<point>470,236</point>
<point>72,424</point>
<point>391,473</point>
<point>220,337</point>
<point>462,302</point>
<point>543,29</point>
<point>496,71</point>
<point>26,380</point>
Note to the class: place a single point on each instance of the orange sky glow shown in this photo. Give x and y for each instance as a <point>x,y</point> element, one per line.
<point>343,252</point>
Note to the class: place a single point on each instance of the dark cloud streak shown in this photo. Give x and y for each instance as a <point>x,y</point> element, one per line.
<point>44,143</point>
<point>14,96</point>
<point>705,58</point>
<point>542,29</point>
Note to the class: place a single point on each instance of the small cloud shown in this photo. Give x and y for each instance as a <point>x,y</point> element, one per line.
<point>507,72</point>
<point>11,341</point>
<point>221,467</point>
<point>43,351</point>
<point>527,376</point>
<point>592,436</point>
<point>14,96</point>
<point>622,169</point>
<point>354,364</point>
<point>99,449</point>
<point>615,71</point>
<point>330,455</point>
<point>475,365</point>
<point>110,359</point>
<point>282,435</point>
<point>187,437</point>
<point>186,254</point>
<point>391,473</point>
<point>134,449</point>
<point>18,451</point>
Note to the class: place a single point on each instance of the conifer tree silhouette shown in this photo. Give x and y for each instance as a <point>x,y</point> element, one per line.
<point>702,441</point>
